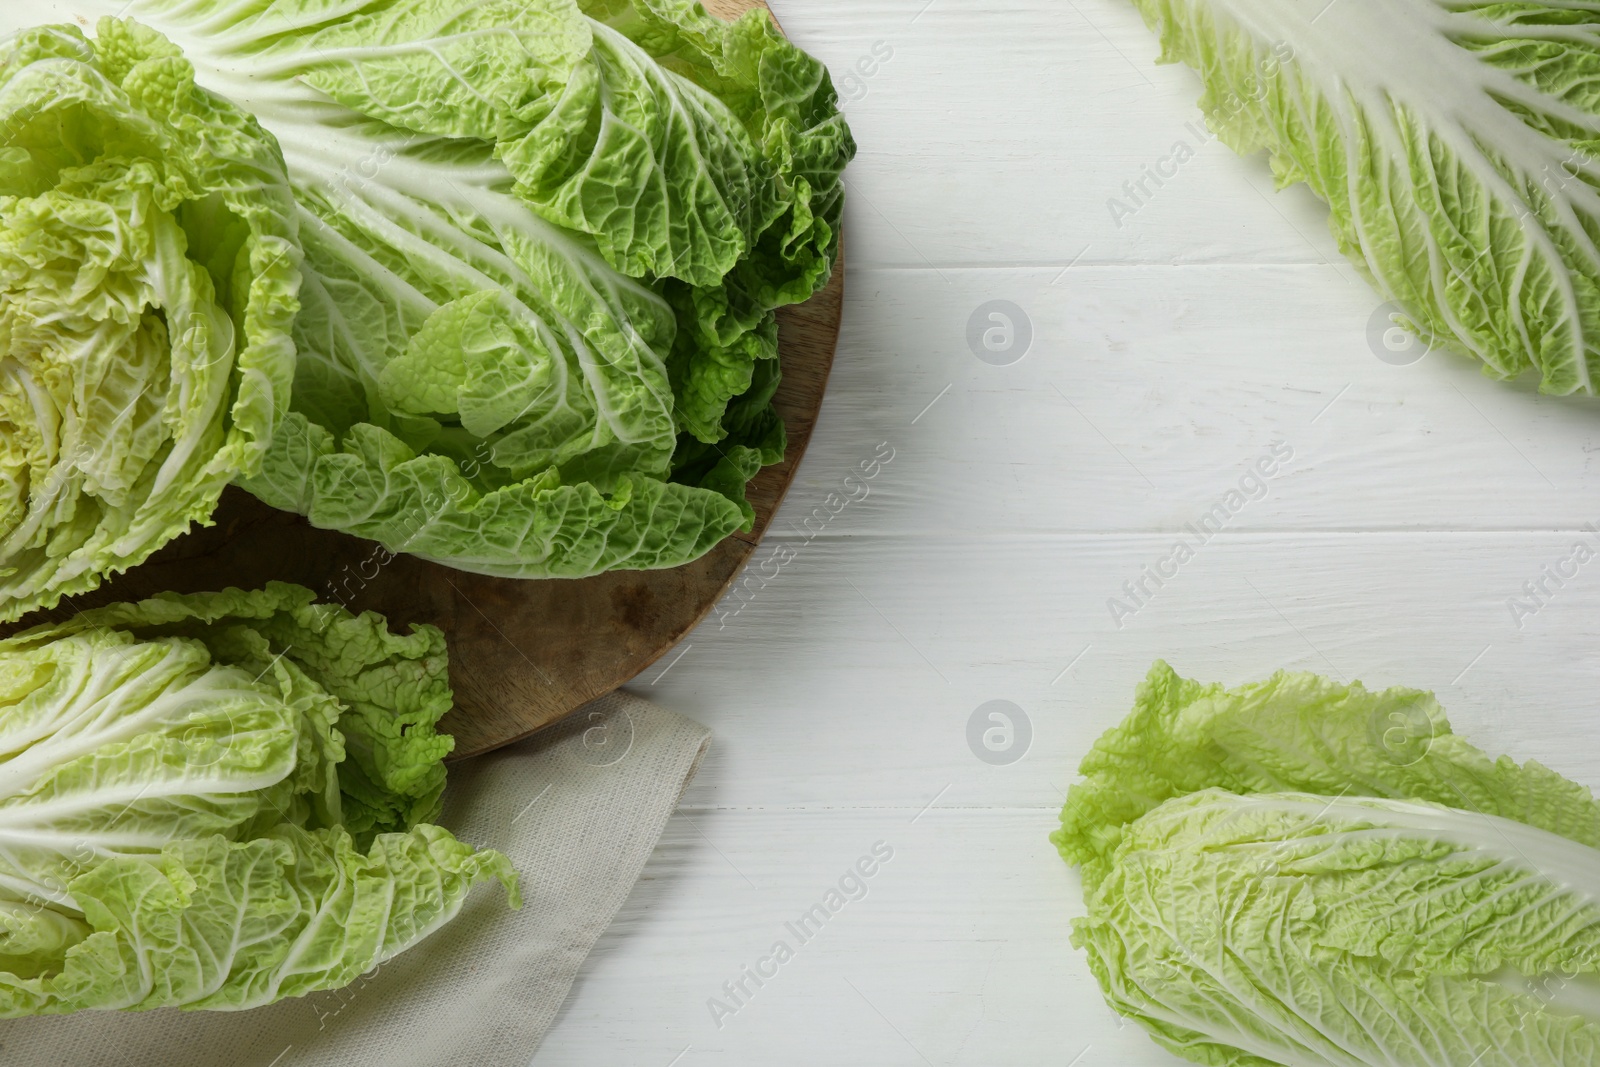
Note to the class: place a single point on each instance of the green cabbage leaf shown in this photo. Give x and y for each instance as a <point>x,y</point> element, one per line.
<point>1300,872</point>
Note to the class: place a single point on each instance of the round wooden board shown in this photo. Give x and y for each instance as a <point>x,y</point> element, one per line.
<point>522,653</point>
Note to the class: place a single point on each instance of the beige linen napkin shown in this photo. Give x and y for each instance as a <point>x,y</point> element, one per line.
<point>578,808</point>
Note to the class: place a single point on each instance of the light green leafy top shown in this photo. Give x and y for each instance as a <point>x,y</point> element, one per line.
<point>1303,733</point>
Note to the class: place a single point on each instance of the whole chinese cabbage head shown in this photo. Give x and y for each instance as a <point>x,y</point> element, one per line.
<point>148,277</point>
<point>544,242</point>
<point>218,801</point>
<point>1311,873</point>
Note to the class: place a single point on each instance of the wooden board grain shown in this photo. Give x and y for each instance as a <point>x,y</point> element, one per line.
<point>522,653</point>
<point>730,9</point>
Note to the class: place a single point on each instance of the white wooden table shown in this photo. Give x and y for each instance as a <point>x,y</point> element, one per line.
<point>1168,353</point>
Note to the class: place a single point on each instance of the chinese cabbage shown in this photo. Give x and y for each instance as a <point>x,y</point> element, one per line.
<point>1299,872</point>
<point>220,800</point>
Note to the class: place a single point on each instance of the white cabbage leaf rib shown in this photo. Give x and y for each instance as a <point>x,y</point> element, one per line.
<point>1455,142</point>
<point>124,716</point>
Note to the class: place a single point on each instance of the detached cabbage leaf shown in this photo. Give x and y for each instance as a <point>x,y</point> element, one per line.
<point>1454,141</point>
<point>217,801</point>
<point>544,243</point>
<point>148,278</point>
<point>1299,872</point>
